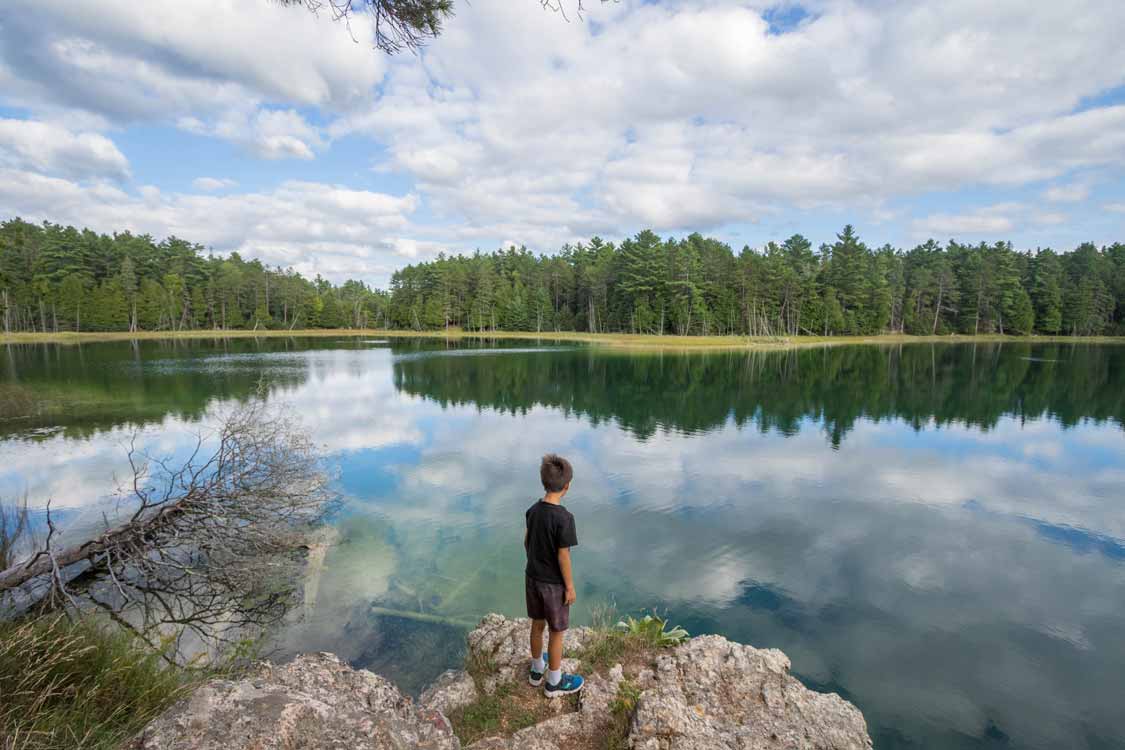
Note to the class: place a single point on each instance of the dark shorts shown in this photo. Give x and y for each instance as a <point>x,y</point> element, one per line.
<point>546,601</point>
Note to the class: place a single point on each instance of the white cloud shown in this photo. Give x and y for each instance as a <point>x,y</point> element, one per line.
<point>182,58</point>
<point>213,68</point>
<point>1049,218</point>
<point>268,133</point>
<point>515,123</point>
<point>990,220</point>
<point>213,183</point>
<point>54,149</point>
<point>686,116</point>
<point>1072,193</point>
<point>1117,208</point>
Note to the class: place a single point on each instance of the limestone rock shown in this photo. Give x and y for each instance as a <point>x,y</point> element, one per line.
<point>706,694</point>
<point>503,643</point>
<point>315,701</point>
<point>452,690</point>
<point>712,694</point>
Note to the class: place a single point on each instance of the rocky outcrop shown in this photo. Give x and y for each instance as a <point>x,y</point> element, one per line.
<point>707,694</point>
<point>452,690</point>
<point>712,694</point>
<point>314,702</point>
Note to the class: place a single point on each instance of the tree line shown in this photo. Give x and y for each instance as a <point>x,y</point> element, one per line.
<point>56,278</point>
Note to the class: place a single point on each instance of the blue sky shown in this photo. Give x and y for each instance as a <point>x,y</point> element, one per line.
<point>268,130</point>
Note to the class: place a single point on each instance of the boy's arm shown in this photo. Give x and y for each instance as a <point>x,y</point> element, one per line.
<point>564,565</point>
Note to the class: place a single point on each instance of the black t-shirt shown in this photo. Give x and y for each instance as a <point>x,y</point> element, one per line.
<point>550,527</point>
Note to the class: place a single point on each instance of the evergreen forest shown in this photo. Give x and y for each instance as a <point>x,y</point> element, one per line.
<point>59,278</point>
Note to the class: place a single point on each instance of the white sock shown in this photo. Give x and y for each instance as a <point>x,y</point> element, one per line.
<point>554,677</point>
<point>538,665</point>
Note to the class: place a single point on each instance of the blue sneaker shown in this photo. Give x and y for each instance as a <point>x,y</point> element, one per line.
<point>536,678</point>
<point>570,683</point>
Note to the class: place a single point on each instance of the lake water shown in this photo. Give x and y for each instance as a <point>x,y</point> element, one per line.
<point>936,532</point>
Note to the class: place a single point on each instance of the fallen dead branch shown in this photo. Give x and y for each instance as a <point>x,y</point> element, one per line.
<point>204,549</point>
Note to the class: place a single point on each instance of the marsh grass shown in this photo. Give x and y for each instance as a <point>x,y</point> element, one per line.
<point>627,340</point>
<point>80,686</point>
<point>20,402</point>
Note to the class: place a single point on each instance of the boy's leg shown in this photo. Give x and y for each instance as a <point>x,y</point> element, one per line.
<point>555,650</point>
<point>537,638</point>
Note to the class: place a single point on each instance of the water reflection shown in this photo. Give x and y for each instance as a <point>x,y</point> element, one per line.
<point>923,385</point>
<point>934,532</point>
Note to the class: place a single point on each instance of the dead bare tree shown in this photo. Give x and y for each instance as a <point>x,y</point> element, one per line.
<point>204,550</point>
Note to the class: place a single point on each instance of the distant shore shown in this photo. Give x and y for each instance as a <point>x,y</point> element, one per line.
<point>626,340</point>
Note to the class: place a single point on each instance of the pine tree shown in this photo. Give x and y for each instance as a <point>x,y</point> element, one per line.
<point>1047,291</point>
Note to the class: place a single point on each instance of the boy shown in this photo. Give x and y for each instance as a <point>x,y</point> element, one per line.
<point>548,584</point>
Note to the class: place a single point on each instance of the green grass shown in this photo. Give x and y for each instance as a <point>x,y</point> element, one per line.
<point>515,705</point>
<point>608,648</point>
<point>621,715</point>
<point>20,402</point>
<point>80,686</point>
<point>636,341</point>
<point>512,706</point>
<point>630,642</point>
<point>504,712</point>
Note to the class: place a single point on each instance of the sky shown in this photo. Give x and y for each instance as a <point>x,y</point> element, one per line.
<point>278,133</point>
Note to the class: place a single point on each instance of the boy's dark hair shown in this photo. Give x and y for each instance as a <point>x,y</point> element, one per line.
<point>556,472</point>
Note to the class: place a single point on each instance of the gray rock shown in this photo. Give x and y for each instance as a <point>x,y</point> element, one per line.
<point>452,690</point>
<point>504,643</point>
<point>316,701</point>
<point>707,694</point>
<point>712,694</point>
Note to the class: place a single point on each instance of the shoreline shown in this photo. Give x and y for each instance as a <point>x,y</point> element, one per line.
<point>615,340</point>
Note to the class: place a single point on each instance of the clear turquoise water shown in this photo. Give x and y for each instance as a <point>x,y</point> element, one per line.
<point>935,532</point>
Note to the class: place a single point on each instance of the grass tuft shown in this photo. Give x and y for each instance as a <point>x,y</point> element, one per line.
<point>621,715</point>
<point>512,706</point>
<point>631,642</point>
<point>504,712</point>
<point>79,686</point>
<point>20,402</point>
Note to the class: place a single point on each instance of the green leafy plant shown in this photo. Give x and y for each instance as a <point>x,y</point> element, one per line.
<point>653,630</point>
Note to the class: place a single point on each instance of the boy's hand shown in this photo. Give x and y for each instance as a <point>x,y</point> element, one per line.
<point>571,596</point>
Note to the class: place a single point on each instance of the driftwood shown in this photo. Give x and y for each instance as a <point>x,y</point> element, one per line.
<point>208,548</point>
